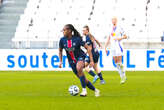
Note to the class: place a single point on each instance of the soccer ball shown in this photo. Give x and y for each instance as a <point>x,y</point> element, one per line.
<point>73,90</point>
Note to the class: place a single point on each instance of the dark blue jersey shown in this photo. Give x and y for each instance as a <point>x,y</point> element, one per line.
<point>73,48</point>
<point>93,44</point>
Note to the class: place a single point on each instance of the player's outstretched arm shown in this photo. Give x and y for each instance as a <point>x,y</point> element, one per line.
<point>124,36</point>
<point>98,43</point>
<point>94,39</point>
<point>121,38</point>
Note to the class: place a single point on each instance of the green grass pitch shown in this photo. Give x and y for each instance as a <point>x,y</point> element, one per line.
<point>49,91</point>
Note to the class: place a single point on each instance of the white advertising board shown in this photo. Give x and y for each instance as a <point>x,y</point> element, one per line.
<point>48,60</point>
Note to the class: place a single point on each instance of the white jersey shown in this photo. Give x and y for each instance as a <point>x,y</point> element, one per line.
<point>116,46</point>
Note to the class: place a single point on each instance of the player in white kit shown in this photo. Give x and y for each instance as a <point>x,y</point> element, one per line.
<point>115,38</point>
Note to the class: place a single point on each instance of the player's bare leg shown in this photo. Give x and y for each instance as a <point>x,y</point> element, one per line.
<point>79,67</point>
<point>96,77</point>
<point>121,69</point>
<point>85,82</point>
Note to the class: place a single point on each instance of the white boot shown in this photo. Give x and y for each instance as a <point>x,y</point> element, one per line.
<point>97,92</point>
<point>84,92</point>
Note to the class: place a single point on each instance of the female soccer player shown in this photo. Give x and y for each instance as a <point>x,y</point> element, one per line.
<point>71,43</point>
<point>117,34</point>
<point>91,41</point>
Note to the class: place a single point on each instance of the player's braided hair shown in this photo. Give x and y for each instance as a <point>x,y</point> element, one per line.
<point>75,32</point>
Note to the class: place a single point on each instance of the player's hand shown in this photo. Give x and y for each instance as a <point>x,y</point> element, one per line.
<point>106,51</point>
<point>118,38</point>
<point>60,65</point>
<point>100,46</point>
<point>91,64</point>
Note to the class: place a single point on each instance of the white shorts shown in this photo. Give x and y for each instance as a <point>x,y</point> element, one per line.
<point>117,52</point>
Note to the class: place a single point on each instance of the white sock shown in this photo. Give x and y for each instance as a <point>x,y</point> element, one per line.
<point>84,89</point>
<point>119,70</point>
<point>122,69</point>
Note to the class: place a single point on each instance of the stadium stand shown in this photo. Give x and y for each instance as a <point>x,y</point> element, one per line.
<point>41,24</point>
<point>10,12</point>
<point>1,2</point>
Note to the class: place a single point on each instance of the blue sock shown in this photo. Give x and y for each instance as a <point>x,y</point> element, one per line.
<point>100,76</point>
<point>92,73</point>
<point>82,80</point>
<point>90,86</point>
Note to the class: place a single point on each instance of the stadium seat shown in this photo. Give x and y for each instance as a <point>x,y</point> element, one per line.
<point>43,20</point>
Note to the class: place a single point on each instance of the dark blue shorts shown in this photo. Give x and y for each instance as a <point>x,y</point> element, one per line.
<point>95,58</point>
<point>73,65</point>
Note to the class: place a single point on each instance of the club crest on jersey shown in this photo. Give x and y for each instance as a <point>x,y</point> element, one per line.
<point>74,44</point>
<point>80,58</point>
<point>113,34</point>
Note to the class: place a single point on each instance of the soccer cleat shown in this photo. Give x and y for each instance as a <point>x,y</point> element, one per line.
<point>95,79</point>
<point>102,82</point>
<point>123,80</point>
<point>83,93</point>
<point>97,92</point>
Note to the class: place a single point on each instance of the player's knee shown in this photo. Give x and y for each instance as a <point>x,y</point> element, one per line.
<point>87,69</point>
<point>96,68</point>
<point>98,71</point>
<point>79,69</point>
<point>86,64</point>
<point>86,81</point>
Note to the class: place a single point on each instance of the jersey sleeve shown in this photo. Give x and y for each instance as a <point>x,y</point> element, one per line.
<point>81,42</point>
<point>61,44</point>
<point>88,41</point>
